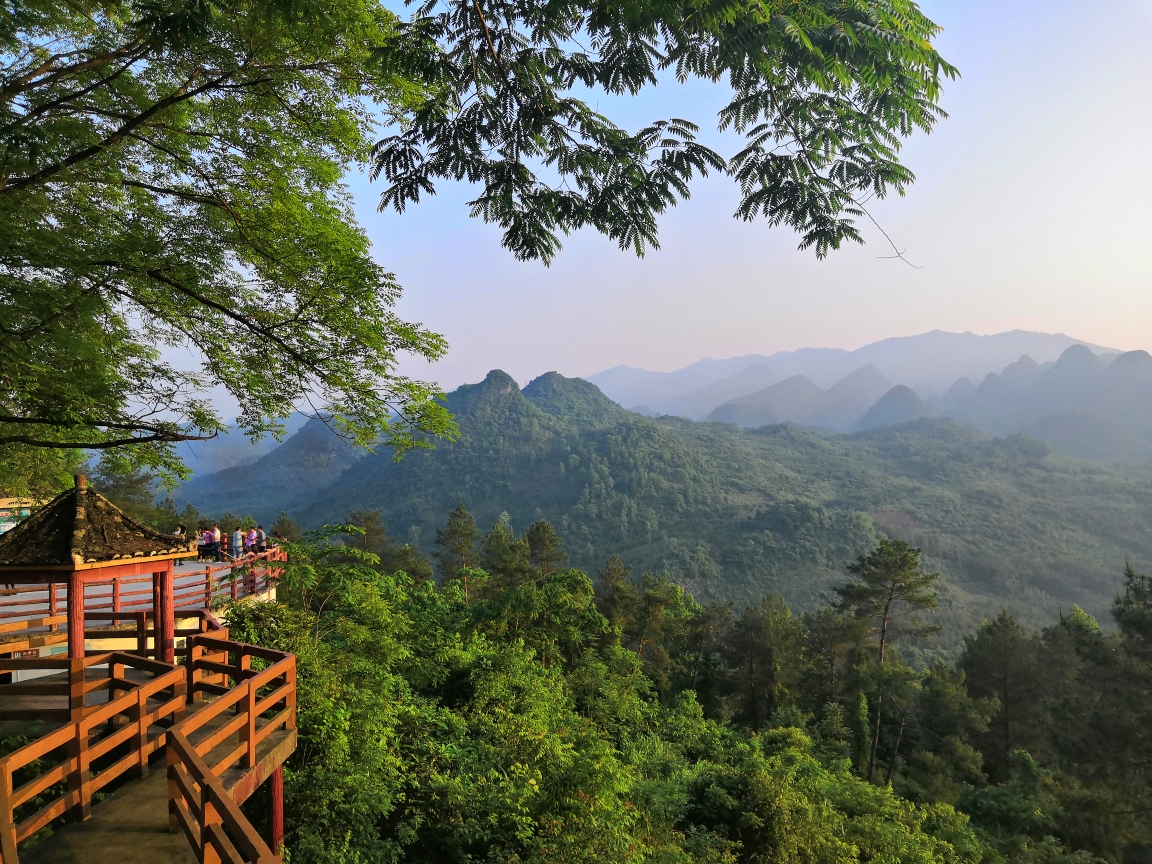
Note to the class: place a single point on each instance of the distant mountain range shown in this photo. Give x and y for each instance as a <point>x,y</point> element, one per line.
<point>732,513</point>
<point>799,400</point>
<point>308,460</point>
<point>928,363</point>
<point>232,447</point>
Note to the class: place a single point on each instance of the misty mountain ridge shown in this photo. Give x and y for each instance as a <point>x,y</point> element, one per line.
<point>1085,405</point>
<point>799,400</point>
<point>929,363</point>
<point>232,447</point>
<point>732,513</point>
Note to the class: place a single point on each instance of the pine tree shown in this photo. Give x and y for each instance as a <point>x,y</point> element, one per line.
<point>617,598</point>
<point>545,548</point>
<point>285,526</point>
<point>394,555</point>
<point>888,592</point>
<point>505,556</point>
<point>1001,661</point>
<point>763,651</point>
<point>458,540</point>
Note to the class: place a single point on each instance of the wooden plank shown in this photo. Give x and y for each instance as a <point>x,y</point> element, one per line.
<point>38,784</point>
<point>50,714</point>
<point>40,747</point>
<point>32,623</point>
<point>224,669</point>
<point>227,730</point>
<point>34,688</point>
<point>113,771</point>
<point>185,821</point>
<point>13,665</point>
<point>231,759</point>
<point>117,738</point>
<point>188,790</point>
<point>280,719</point>
<point>222,844</point>
<point>46,814</point>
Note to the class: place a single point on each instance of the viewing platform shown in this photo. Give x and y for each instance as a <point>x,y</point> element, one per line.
<point>110,656</point>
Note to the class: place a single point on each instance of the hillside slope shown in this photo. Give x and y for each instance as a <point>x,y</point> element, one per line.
<point>305,462</point>
<point>732,514</point>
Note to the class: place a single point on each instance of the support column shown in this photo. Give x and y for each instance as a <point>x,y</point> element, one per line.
<point>276,800</point>
<point>166,618</point>
<point>156,603</point>
<point>75,615</point>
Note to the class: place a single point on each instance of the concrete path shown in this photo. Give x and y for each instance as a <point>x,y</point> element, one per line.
<point>130,827</point>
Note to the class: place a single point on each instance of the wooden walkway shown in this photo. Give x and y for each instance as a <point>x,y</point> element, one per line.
<point>129,827</point>
<point>234,725</point>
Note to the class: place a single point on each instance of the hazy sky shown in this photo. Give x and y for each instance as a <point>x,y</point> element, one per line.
<point>1031,211</point>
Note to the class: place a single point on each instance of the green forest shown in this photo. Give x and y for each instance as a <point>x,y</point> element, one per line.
<point>516,710</point>
<point>733,514</point>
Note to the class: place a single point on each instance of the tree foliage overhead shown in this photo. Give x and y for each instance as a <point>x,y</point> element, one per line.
<point>823,91</point>
<point>172,178</point>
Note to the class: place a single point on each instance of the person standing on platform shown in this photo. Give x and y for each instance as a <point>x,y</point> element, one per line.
<point>261,539</point>
<point>217,539</point>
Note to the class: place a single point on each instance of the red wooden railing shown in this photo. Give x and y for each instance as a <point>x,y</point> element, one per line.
<point>35,616</point>
<point>252,704</point>
<point>76,749</point>
<point>264,702</point>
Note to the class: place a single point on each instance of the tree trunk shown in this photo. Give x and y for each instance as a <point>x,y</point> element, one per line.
<point>879,695</point>
<point>896,749</point>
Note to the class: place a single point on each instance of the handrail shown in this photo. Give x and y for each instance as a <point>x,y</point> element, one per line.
<point>264,700</point>
<point>197,801</point>
<point>93,733</point>
<point>35,616</point>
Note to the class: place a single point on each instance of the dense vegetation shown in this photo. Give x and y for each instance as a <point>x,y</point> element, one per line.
<point>515,712</point>
<point>732,514</point>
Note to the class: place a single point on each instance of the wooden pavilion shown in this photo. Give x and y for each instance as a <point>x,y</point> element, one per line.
<point>81,538</point>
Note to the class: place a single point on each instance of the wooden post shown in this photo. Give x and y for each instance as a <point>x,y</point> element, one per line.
<point>7,822</point>
<point>276,801</point>
<point>53,605</point>
<point>207,589</point>
<point>166,620</point>
<point>195,652</point>
<point>155,652</point>
<point>139,716</point>
<point>249,732</point>
<point>78,775</point>
<point>75,615</point>
<point>115,600</point>
<point>142,633</point>
<point>76,676</point>
<point>210,816</point>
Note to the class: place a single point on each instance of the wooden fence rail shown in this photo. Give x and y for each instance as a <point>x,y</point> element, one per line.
<point>77,749</point>
<point>100,742</point>
<point>259,703</point>
<point>35,616</point>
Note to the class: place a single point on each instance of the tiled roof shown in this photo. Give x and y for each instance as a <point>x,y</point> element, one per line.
<point>81,526</point>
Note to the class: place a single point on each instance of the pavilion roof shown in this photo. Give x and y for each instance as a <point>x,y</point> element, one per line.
<point>81,526</point>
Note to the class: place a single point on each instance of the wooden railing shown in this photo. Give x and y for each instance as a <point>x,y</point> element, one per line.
<point>35,616</point>
<point>79,752</point>
<point>259,703</point>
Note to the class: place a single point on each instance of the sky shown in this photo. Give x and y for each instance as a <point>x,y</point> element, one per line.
<point>1031,210</point>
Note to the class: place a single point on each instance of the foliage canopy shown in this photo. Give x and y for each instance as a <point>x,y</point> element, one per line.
<point>173,179</point>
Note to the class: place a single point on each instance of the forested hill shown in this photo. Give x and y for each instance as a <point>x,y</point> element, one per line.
<point>733,514</point>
